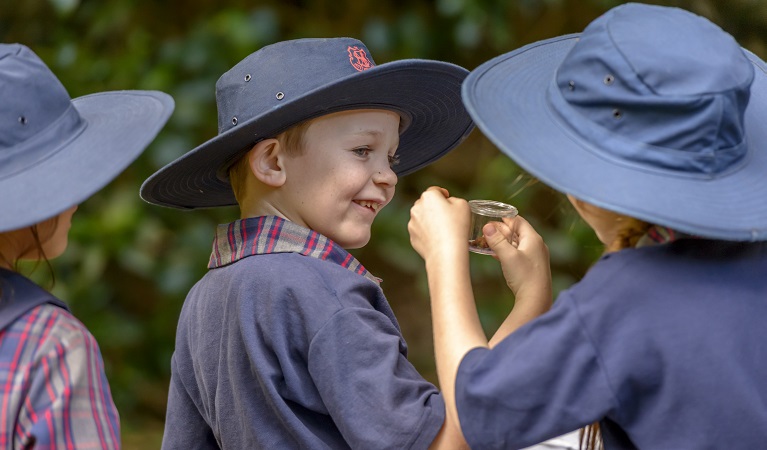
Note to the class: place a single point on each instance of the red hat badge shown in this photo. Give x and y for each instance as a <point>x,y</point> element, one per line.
<point>359,58</point>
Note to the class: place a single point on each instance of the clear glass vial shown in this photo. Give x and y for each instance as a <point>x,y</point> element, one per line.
<point>483,212</point>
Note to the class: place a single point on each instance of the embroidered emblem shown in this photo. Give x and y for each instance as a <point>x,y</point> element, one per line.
<point>359,59</point>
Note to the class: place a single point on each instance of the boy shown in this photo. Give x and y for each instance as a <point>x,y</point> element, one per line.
<point>288,341</point>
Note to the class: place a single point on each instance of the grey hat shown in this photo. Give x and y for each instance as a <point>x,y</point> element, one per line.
<point>55,152</point>
<point>653,112</point>
<point>288,82</point>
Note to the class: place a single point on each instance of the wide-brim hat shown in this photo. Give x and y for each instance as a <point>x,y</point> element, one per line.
<point>55,152</point>
<point>644,114</point>
<point>289,82</point>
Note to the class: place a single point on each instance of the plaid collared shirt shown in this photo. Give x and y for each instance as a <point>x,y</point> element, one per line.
<point>657,235</point>
<point>53,391</point>
<point>271,234</point>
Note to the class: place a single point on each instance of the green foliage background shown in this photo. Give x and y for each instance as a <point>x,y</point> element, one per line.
<point>129,264</point>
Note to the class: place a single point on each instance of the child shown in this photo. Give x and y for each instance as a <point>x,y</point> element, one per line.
<point>54,153</point>
<point>644,121</point>
<point>288,341</point>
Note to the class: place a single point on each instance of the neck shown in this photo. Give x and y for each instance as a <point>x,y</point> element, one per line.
<point>267,209</point>
<point>260,200</point>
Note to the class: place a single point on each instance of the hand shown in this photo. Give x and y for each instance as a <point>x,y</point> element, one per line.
<point>439,225</point>
<point>523,255</point>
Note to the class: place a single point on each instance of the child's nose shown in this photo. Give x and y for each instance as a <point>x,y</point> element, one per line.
<point>385,176</point>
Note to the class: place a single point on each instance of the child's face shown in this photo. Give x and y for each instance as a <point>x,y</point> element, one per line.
<point>53,234</point>
<point>57,241</point>
<point>343,176</point>
<point>604,223</point>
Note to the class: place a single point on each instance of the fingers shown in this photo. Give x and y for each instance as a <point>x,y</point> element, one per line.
<point>513,233</point>
<point>438,223</point>
<point>504,229</point>
<point>521,230</point>
<point>439,189</point>
<point>518,224</point>
<point>499,237</point>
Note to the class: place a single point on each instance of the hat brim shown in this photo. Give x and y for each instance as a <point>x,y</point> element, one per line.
<point>119,126</point>
<point>427,93</point>
<point>506,97</point>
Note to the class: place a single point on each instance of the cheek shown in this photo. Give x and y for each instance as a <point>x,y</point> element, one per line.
<point>58,243</point>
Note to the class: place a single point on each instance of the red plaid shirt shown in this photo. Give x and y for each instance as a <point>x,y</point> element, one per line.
<point>53,391</point>
<point>272,234</point>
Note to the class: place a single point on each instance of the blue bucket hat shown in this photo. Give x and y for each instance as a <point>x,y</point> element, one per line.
<point>55,151</point>
<point>288,82</point>
<point>653,112</point>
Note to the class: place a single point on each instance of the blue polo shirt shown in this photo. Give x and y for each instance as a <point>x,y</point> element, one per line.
<point>666,346</point>
<point>289,342</point>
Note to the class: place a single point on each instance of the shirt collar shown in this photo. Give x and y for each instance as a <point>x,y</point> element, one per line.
<point>657,235</point>
<point>271,234</point>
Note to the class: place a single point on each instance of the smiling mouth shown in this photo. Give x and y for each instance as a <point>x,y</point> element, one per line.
<point>368,204</point>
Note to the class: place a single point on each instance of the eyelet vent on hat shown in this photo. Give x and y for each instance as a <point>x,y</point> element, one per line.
<point>280,96</point>
<point>247,77</point>
<point>234,121</point>
<point>22,120</point>
<point>609,79</point>
<point>617,114</point>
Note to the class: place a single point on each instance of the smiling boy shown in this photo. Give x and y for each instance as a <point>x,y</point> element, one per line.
<point>341,174</point>
<point>288,341</point>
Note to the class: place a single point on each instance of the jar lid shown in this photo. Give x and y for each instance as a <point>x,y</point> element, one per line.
<point>492,208</point>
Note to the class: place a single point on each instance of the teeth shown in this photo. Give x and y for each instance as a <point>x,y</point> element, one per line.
<point>372,205</point>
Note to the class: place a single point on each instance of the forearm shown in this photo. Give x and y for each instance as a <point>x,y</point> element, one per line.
<point>457,328</point>
<point>527,306</point>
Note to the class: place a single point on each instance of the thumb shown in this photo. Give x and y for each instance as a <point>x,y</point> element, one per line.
<point>497,236</point>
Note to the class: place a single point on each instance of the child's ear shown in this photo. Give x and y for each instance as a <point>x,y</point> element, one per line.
<point>265,160</point>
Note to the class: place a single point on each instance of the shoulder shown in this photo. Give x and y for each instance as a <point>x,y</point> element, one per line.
<point>54,327</point>
<point>297,275</point>
<point>48,334</point>
<point>622,270</point>
<point>282,290</point>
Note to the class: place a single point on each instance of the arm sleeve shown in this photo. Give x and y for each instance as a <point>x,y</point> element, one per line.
<point>69,404</point>
<point>375,396</point>
<point>544,380</point>
<point>185,427</point>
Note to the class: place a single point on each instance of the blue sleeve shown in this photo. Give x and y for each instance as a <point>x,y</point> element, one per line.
<point>185,427</point>
<point>542,381</point>
<point>375,396</point>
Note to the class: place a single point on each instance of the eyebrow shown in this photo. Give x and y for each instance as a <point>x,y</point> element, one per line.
<point>374,133</point>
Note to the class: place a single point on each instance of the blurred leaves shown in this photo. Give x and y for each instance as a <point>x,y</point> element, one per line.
<point>129,264</point>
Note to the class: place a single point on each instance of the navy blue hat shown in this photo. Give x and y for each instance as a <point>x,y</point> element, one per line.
<point>56,152</point>
<point>288,82</point>
<point>645,113</point>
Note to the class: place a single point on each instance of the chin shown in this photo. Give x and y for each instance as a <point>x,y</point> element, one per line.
<point>56,249</point>
<point>55,254</point>
<point>353,243</point>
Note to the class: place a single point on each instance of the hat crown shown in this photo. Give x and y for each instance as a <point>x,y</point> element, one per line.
<point>35,111</point>
<point>278,73</point>
<point>663,77</point>
<point>33,98</point>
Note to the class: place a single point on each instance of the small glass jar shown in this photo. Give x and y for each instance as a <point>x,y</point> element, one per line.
<point>483,212</point>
